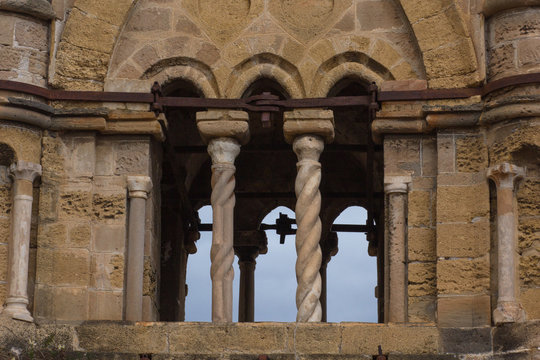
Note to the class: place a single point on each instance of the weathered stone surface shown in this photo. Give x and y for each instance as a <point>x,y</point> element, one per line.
<point>471,154</point>
<point>462,203</point>
<point>81,63</point>
<point>113,13</point>
<point>52,235</point>
<point>466,341</point>
<point>516,336</point>
<point>464,311</point>
<point>530,299</point>
<point>463,240</point>
<point>421,244</point>
<point>109,206</point>
<point>420,208</point>
<point>31,34</point>
<point>75,204</point>
<point>105,305</point>
<point>463,276</point>
<point>107,271</point>
<point>422,309</point>
<point>378,15</point>
<point>528,197</point>
<point>422,279</point>
<point>80,236</point>
<point>89,32</point>
<point>109,238</point>
<point>71,267</point>
<point>392,338</point>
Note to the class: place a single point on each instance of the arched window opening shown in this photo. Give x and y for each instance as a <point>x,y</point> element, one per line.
<point>198,282</point>
<point>275,286</point>
<point>351,275</point>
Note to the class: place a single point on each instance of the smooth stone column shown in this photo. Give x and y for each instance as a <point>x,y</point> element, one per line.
<point>248,245</point>
<point>329,248</point>
<point>395,268</point>
<point>139,187</point>
<point>223,152</point>
<point>505,177</point>
<point>23,174</point>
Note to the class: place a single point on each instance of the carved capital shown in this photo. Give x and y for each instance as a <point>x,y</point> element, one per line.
<point>308,147</point>
<point>23,170</point>
<point>396,184</point>
<point>223,150</point>
<point>506,175</point>
<point>223,123</point>
<point>308,121</point>
<point>139,186</point>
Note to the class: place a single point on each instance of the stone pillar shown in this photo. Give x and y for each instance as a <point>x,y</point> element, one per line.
<point>224,131</point>
<point>308,130</point>
<point>505,177</point>
<point>139,187</point>
<point>248,245</point>
<point>23,174</point>
<point>395,244</point>
<point>329,248</point>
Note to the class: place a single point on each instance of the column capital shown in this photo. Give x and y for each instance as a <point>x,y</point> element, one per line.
<point>139,186</point>
<point>396,184</point>
<point>505,175</point>
<point>23,170</point>
<point>308,147</point>
<point>223,150</point>
<point>308,121</point>
<point>223,124</point>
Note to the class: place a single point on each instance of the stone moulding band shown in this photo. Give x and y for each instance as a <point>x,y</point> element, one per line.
<point>266,103</point>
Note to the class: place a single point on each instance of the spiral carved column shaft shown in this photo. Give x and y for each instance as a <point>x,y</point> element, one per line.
<point>223,152</point>
<point>308,234</point>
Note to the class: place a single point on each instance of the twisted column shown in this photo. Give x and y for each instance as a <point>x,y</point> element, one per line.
<point>23,174</point>
<point>505,177</point>
<point>138,189</point>
<point>308,148</point>
<point>223,152</point>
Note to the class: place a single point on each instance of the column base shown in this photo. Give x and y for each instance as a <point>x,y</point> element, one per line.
<point>508,312</point>
<point>17,309</point>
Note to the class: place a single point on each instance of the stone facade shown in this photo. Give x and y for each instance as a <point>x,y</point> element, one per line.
<point>97,197</point>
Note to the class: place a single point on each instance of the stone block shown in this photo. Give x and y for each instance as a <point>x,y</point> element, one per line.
<point>422,309</point>
<point>79,62</point>
<point>307,338</point>
<point>4,250</point>
<point>89,32</point>
<point>471,154</point>
<point>44,307</point>
<point>463,240</point>
<point>105,305</point>
<point>378,15</point>
<point>52,235</point>
<point>107,271</point>
<point>71,268</point>
<point>528,53</point>
<point>109,238</point>
<point>466,341</point>
<point>501,61</point>
<point>516,24</point>
<point>402,339</point>
<point>31,34</point>
<point>151,19</point>
<point>7,24</point>
<point>516,336</point>
<point>80,236</point>
<point>464,311</point>
<point>401,155</point>
<point>132,158</point>
<point>111,12</point>
<point>528,196</point>
<point>82,159</point>
<point>421,244</point>
<point>109,206</point>
<point>530,298</point>
<point>429,157</point>
<point>462,203</point>
<point>449,28</point>
<point>458,59</point>
<point>150,279</point>
<point>417,10</point>
<point>257,338</point>
<point>104,158</point>
<point>463,276</point>
<point>445,154</point>
<point>385,54</point>
<point>422,279</point>
<point>70,303</point>
<point>420,208</point>
<point>529,268</point>
<point>528,233</point>
<point>75,204</point>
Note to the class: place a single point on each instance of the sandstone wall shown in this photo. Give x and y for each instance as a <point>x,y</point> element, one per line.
<point>83,221</point>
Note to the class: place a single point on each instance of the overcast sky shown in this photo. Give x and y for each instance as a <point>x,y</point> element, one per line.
<point>352,276</point>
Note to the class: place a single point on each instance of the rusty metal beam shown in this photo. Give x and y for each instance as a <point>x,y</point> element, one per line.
<point>266,102</point>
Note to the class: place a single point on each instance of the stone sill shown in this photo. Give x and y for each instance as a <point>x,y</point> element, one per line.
<point>277,340</point>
